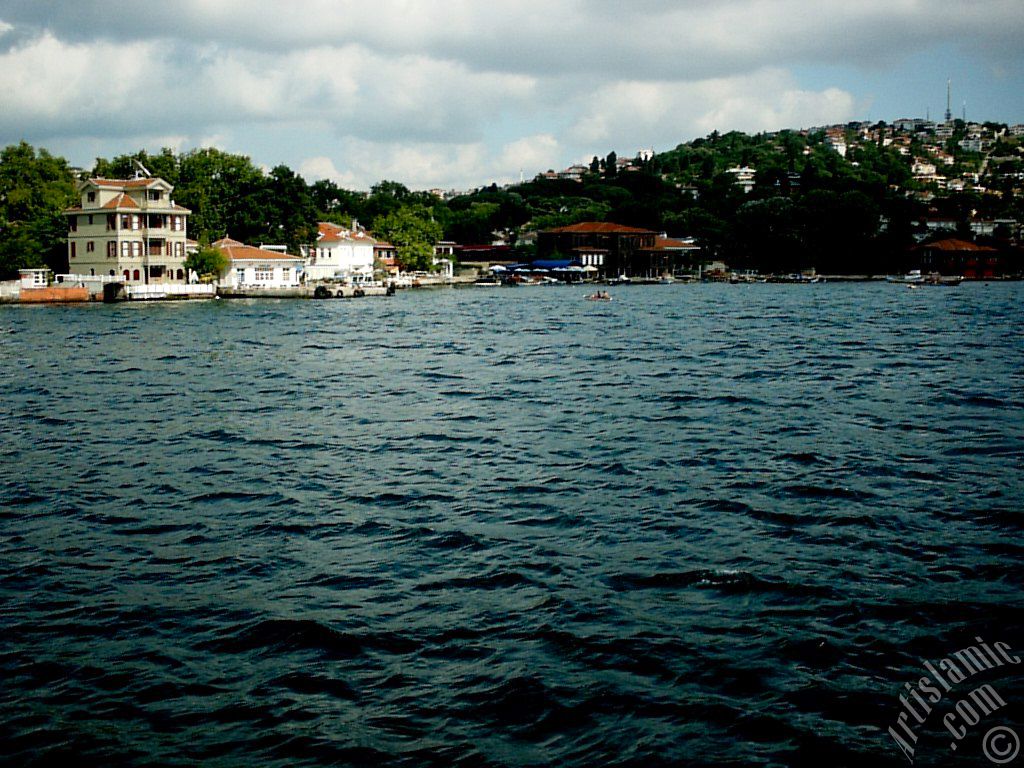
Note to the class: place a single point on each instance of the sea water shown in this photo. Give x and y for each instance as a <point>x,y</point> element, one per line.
<point>702,524</point>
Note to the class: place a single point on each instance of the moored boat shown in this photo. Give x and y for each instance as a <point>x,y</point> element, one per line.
<point>914,276</point>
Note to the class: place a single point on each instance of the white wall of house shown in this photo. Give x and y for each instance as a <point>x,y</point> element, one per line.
<point>251,273</point>
<point>347,259</point>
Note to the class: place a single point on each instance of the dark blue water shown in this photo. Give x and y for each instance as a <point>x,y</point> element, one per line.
<point>696,525</point>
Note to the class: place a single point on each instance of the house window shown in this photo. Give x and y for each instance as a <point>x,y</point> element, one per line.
<point>241,274</point>
<point>73,223</point>
<point>136,248</point>
<point>154,194</point>
<point>126,249</point>
<point>263,274</point>
<point>73,244</point>
<point>286,274</point>
<point>127,275</point>
<point>136,221</point>
<point>181,274</point>
<point>135,275</point>
<point>111,250</point>
<point>91,197</point>
<point>111,221</point>
<point>90,246</point>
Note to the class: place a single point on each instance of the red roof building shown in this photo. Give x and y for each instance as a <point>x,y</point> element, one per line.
<point>961,257</point>
<point>610,247</point>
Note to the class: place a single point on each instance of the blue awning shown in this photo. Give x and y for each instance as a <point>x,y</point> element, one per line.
<point>556,263</point>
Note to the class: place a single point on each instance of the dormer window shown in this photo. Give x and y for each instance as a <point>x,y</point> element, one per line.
<point>91,197</point>
<point>154,194</point>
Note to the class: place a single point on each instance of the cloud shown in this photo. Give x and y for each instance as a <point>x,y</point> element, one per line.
<point>639,114</point>
<point>429,165</point>
<point>438,93</point>
<point>528,155</point>
<point>648,39</point>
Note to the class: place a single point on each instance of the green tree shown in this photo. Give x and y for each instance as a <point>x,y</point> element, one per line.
<point>35,188</point>
<point>208,262</point>
<point>611,167</point>
<point>413,232</point>
<point>225,194</point>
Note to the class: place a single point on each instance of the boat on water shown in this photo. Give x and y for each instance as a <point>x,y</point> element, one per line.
<point>599,296</point>
<point>913,277</point>
<point>948,281</point>
<point>797,278</point>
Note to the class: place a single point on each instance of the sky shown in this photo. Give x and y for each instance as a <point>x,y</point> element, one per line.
<point>455,94</point>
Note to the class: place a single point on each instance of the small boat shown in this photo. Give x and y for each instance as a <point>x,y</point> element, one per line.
<point>949,281</point>
<point>912,277</point>
<point>599,296</point>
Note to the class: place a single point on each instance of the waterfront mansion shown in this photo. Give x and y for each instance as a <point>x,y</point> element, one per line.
<point>340,253</point>
<point>127,229</point>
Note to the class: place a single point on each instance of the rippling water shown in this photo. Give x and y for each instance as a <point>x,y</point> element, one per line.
<point>699,524</point>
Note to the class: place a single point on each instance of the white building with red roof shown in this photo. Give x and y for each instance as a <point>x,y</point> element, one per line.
<point>339,253</point>
<point>129,230</point>
<point>250,267</point>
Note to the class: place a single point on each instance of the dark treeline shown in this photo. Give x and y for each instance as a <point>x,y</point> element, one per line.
<point>808,206</point>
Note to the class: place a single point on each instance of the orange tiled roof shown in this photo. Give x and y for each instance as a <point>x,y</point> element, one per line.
<point>669,242</point>
<point>952,244</point>
<point>123,183</point>
<point>238,252</point>
<point>601,227</point>
<point>121,201</point>
<point>328,232</point>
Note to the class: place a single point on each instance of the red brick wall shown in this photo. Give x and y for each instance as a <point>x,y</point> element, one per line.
<point>36,295</point>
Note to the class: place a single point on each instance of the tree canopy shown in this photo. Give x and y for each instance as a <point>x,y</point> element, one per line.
<point>808,204</point>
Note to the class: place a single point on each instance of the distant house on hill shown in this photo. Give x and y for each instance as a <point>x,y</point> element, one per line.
<point>612,248</point>
<point>250,267</point>
<point>127,229</point>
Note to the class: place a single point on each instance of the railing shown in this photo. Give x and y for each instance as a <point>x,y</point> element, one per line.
<point>162,290</point>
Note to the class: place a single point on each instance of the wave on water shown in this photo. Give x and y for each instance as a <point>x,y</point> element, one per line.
<point>700,525</point>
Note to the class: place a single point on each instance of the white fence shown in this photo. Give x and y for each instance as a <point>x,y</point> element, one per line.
<point>169,291</point>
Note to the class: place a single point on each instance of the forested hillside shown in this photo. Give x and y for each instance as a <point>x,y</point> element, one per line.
<point>803,203</point>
